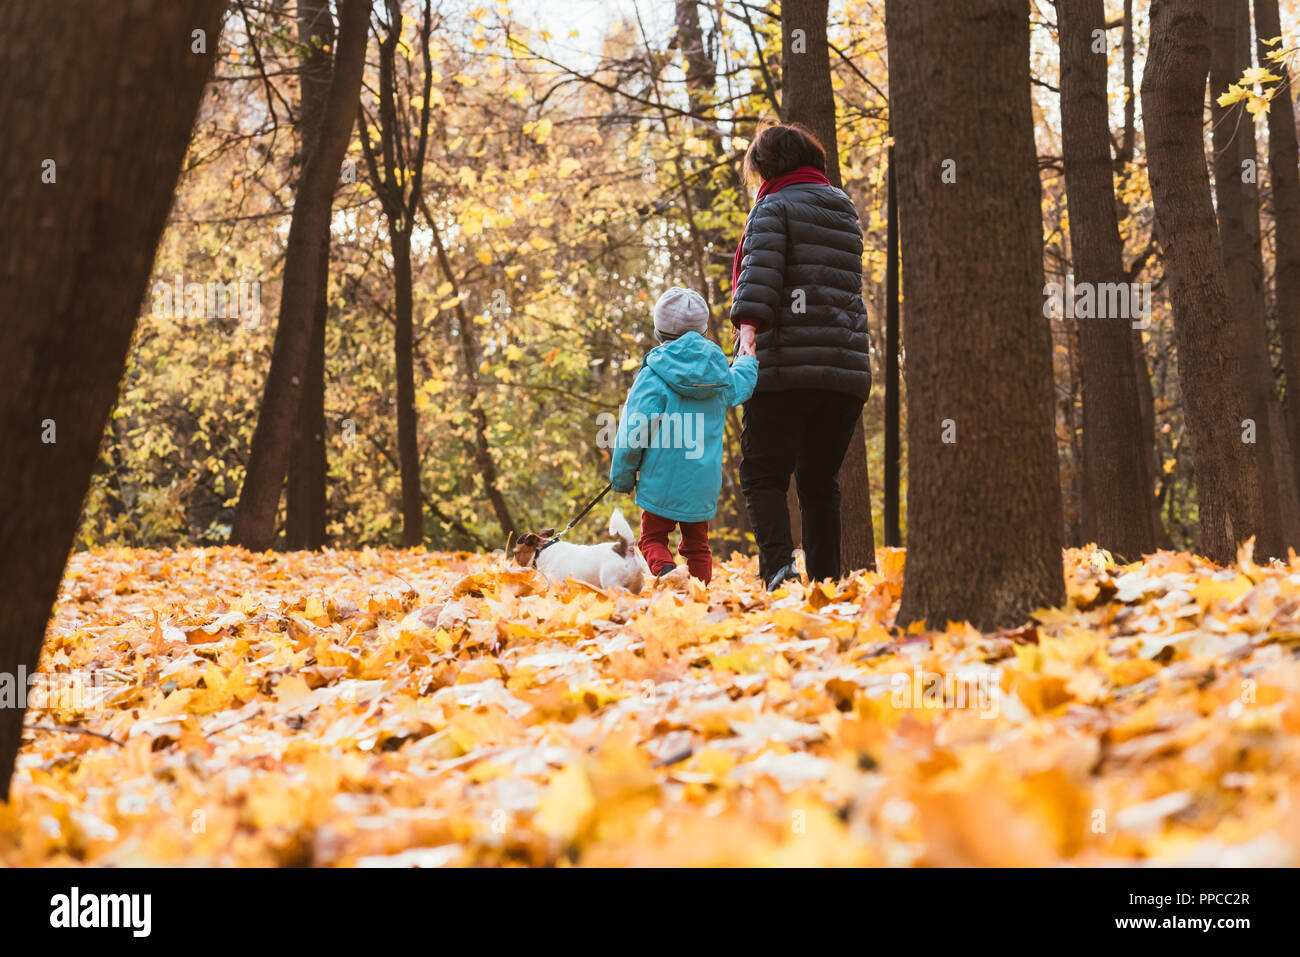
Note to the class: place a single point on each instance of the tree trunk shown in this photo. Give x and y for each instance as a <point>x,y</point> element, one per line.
<point>1284,177</point>
<point>807,96</point>
<point>700,56</point>
<point>468,353</point>
<point>893,457</point>
<point>701,82</point>
<point>1238,208</point>
<point>1280,448</point>
<point>858,534</point>
<point>1147,408</point>
<point>1243,56</point>
<point>304,518</point>
<point>408,447</point>
<point>305,505</point>
<point>268,461</point>
<point>1128,142</point>
<point>391,185</point>
<point>984,507</point>
<point>809,99</point>
<point>103,102</point>
<point>1146,398</point>
<point>1116,497</point>
<point>1173,105</point>
<point>1075,489</point>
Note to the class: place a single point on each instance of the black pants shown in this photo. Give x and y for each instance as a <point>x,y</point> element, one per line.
<point>807,432</point>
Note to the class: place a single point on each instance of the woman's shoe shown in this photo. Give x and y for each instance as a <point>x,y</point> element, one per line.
<point>789,571</point>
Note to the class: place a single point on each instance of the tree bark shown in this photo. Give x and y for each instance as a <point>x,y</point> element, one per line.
<point>1128,142</point>
<point>1117,501</point>
<point>305,499</point>
<point>893,457</point>
<point>1173,105</point>
<point>700,56</point>
<point>304,511</point>
<point>108,97</point>
<point>1243,56</point>
<point>468,353</point>
<point>1147,409</point>
<point>268,461</point>
<point>983,510</point>
<point>1141,370</point>
<point>400,196</point>
<point>1284,178</point>
<point>701,81</point>
<point>807,98</point>
<point>1238,208</point>
<point>408,447</point>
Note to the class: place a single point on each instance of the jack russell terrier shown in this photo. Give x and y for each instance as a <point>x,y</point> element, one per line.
<point>614,564</point>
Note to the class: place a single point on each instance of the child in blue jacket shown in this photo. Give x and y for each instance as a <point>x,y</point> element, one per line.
<point>671,432</point>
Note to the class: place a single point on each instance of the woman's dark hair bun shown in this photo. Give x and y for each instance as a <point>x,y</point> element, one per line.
<point>778,150</point>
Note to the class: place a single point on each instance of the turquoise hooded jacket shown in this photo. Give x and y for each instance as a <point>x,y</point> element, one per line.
<point>672,427</point>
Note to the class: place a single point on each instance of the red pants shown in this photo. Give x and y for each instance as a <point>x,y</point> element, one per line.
<point>694,546</point>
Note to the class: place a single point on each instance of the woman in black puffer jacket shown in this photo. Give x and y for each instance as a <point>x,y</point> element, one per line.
<point>798,306</point>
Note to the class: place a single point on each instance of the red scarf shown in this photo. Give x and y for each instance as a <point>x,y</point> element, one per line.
<point>804,174</point>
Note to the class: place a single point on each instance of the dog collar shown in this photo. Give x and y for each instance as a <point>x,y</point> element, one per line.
<point>542,547</point>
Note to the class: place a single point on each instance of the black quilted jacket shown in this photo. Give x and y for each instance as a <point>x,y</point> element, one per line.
<point>801,279</point>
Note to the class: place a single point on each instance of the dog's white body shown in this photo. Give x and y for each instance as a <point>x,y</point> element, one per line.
<point>615,564</point>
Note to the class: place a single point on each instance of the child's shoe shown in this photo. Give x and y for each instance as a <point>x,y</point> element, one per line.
<point>674,576</point>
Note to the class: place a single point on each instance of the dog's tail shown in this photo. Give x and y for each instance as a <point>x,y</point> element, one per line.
<point>621,532</point>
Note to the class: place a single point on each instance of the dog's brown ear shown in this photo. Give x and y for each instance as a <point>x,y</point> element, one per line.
<point>526,548</point>
<point>547,533</point>
<point>620,547</point>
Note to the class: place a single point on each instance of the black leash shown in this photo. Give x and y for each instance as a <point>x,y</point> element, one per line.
<point>576,519</point>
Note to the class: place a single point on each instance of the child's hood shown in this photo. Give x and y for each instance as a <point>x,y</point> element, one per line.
<point>692,366</point>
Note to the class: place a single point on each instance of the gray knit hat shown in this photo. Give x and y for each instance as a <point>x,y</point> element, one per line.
<point>679,311</point>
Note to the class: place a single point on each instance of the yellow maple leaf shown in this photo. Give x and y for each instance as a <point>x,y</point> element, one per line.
<point>567,805</point>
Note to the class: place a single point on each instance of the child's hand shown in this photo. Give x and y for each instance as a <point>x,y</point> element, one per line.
<point>746,341</point>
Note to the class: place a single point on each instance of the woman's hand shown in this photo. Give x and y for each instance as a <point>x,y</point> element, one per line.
<point>746,339</point>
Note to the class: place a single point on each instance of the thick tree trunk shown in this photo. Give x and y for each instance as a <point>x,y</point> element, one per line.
<point>1280,448</point>
<point>1173,105</point>
<point>1117,501</point>
<point>97,113</point>
<point>1141,370</point>
<point>268,461</point>
<point>984,499</point>
<point>1284,177</point>
<point>304,505</point>
<point>858,534</point>
<point>807,96</point>
<point>408,447</point>
<point>1238,208</point>
<point>809,99</point>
